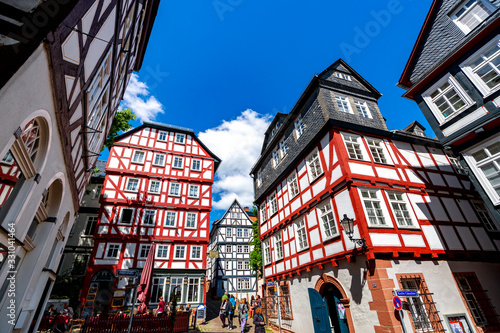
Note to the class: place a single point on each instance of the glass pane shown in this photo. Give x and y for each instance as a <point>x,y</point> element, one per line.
<point>480,155</point>
<point>494,148</point>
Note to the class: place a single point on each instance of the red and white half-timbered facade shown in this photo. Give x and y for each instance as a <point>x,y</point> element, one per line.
<point>158,188</point>
<point>424,227</point>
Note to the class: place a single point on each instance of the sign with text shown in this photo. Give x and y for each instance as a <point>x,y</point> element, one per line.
<point>406,293</point>
<point>126,273</point>
<point>200,312</point>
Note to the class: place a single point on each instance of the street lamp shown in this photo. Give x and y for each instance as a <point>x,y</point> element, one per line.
<point>348,226</point>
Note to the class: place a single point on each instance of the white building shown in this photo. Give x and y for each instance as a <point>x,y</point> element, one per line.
<point>228,266</point>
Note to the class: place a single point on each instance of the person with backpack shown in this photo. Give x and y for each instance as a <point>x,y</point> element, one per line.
<point>232,307</point>
<point>222,313</point>
<point>243,314</point>
<point>258,321</point>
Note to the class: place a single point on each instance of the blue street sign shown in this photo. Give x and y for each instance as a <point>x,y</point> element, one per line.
<point>269,284</point>
<point>406,293</point>
<point>397,303</point>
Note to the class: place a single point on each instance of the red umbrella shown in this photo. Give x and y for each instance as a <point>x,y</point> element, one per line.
<point>144,289</point>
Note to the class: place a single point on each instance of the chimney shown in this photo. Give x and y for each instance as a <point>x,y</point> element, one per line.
<point>246,209</point>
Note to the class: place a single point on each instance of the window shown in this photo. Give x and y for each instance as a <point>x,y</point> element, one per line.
<point>486,165</point>
<point>353,145</point>
<point>239,232</point>
<point>246,249</point>
<point>267,252</point>
<point>276,158</point>
<point>162,252</point>
<point>159,160</point>
<point>278,246</point>
<point>239,249</point>
<point>483,68</point>
<point>196,165</point>
<point>236,215</point>
<point>476,299</point>
<point>90,226</point>
<point>263,214</point>
<point>245,233</point>
<point>299,127</point>
<point>132,185</point>
<point>377,151</point>
<point>8,158</point>
<point>180,138</point>
<point>195,252</point>
<point>193,288</point>
<point>97,192</point>
<point>228,265</point>
<point>328,221</point>
<point>194,191</point>
<point>158,289</point>
<point>228,248</point>
<point>293,185</point>
<point>283,148</point>
<point>455,163</point>
<point>180,252</point>
<point>178,162</point>
<point>176,286</point>
<point>243,283</point>
<point>471,14</point>
<point>273,205</point>
<point>246,265</point>
<point>229,232</point>
<point>362,108</point>
<point>373,208</point>
<point>162,136</point>
<point>400,209</point>
<point>259,179</point>
<point>240,265</point>
<point>126,216</point>
<point>286,305</point>
<point>113,251</point>
<point>175,189</point>
<point>143,251</point>
<point>170,219</point>
<point>314,165</point>
<point>149,217</point>
<point>343,76</point>
<point>446,98</point>
<point>301,235</point>
<point>139,157</point>
<point>484,215</point>
<point>154,186</point>
<point>191,220</point>
<point>343,104</point>
<point>419,306</point>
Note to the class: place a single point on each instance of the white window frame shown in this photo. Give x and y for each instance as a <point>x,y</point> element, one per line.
<point>301,234</point>
<point>343,76</point>
<point>196,188</point>
<point>156,182</point>
<point>141,161</point>
<point>162,247</point>
<point>263,213</point>
<point>239,248</point>
<point>246,248</point>
<point>323,211</point>
<point>175,252</point>
<point>178,139</point>
<point>299,127</point>
<point>278,246</point>
<point>363,109</point>
<point>166,216</point>
<point>229,249</point>
<point>259,179</point>
<point>239,232</point>
<point>229,232</point>
<point>402,204</point>
<point>380,199</point>
<point>195,284</point>
<point>246,232</point>
<point>293,186</point>
<point>266,252</point>
<point>475,78</point>
<point>170,193</point>
<point>239,265</point>
<point>128,183</point>
<point>273,204</point>
<point>162,133</point>
<point>156,155</point>
<point>357,141</point>
<point>484,215</point>
<point>313,161</point>
<point>106,256</point>
<point>458,89</point>
<point>144,217</point>
<point>283,148</point>
<point>193,248</point>
<point>141,247</point>
<point>91,219</point>
<point>475,167</point>
<point>174,162</point>
<point>457,19</point>
<point>193,161</point>
<point>383,150</point>
<point>339,101</point>
<point>131,217</point>
<point>195,220</point>
<point>275,158</point>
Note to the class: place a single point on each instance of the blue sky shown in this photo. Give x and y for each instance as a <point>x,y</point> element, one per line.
<point>225,67</point>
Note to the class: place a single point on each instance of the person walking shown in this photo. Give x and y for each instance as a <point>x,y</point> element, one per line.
<point>232,308</point>
<point>252,301</point>
<point>243,314</point>
<point>258,321</point>
<point>161,307</point>
<point>222,312</point>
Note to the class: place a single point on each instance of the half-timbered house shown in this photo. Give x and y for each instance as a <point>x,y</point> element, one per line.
<point>417,223</point>
<point>453,74</point>
<point>228,268</point>
<point>63,71</point>
<point>158,188</point>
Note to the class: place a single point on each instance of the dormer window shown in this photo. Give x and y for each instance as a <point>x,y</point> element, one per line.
<point>471,14</point>
<point>299,127</point>
<point>343,76</point>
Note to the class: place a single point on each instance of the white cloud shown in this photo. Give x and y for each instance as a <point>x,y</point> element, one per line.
<point>237,143</point>
<point>137,98</point>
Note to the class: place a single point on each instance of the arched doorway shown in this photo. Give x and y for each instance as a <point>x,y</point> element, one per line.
<point>337,304</point>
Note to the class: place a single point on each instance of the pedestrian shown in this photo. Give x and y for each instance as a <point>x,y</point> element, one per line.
<point>256,304</point>
<point>232,308</point>
<point>169,308</point>
<point>252,301</point>
<point>161,307</point>
<point>258,321</point>
<point>222,312</point>
<point>225,296</point>
<point>243,314</point>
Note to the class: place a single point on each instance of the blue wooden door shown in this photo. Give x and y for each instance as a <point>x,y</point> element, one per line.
<point>319,311</point>
<point>341,315</point>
